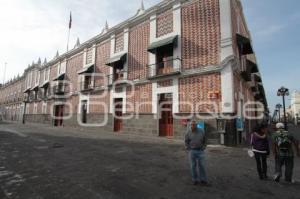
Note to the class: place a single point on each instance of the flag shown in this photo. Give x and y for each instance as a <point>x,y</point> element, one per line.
<point>70,22</point>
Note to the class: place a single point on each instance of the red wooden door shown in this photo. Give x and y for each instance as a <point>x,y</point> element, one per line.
<point>166,119</point>
<point>59,113</point>
<point>118,123</point>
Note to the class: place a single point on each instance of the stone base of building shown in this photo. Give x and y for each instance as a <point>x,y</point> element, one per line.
<point>144,124</point>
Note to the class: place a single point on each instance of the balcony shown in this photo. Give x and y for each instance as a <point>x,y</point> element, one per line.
<point>118,78</point>
<point>244,45</point>
<point>59,89</point>
<point>245,70</point>
<point>86,86</point>
<point>166,68</point>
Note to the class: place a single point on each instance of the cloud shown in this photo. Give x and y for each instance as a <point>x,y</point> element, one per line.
<point>31,29</point>
<point>270,30</point>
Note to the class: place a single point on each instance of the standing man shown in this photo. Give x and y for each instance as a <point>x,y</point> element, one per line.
<point>284,153</point>
<point>195,143</point>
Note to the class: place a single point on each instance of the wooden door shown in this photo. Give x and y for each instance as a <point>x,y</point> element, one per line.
<point>84,112</point>
<point>59,113</point>
<point>118,123</point>
<point>166,119</point>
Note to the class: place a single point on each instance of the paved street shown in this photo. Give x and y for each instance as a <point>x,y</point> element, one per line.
<point>42,162</point>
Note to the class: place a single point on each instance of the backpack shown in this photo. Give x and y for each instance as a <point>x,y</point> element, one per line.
<point>283,141</point>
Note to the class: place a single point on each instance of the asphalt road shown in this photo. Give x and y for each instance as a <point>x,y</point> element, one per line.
<point>43,162</point>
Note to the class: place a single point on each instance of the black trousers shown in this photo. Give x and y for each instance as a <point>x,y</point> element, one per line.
<point>261,163</point>
<point>288,162</point>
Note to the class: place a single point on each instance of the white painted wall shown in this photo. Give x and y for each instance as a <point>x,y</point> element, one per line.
<point>227,80</point>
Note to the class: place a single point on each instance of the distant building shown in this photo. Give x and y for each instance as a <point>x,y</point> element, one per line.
<point>176,54</point>
<point>295,104</point>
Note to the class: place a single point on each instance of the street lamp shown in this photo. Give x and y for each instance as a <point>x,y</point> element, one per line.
<point>282,92</point>
<point>275,115</point>
<point>278,107</point>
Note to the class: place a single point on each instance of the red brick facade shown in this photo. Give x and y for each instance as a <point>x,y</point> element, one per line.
<point>137,53</point>
<point>140,99</point>
<point>164,24</point>
<point>119,45</point>
<point>196,80</point>
<point>102,55</point>
<point>197,89</point>
<point>73,66</point>
<point>200,34</point>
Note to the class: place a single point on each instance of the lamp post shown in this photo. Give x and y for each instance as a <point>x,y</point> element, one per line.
<point>275,115</point>
<point>282,92</point>
<point>278,107</point>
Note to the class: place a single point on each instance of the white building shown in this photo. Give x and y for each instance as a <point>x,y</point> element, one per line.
<point>295,104</point>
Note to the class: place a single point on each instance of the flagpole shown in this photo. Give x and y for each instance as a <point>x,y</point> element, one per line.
<point>68,39</point>
<point>70,26</point>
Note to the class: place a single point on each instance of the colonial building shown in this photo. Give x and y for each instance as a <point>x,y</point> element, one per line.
<point>295,106</point>
<point>149,75</point>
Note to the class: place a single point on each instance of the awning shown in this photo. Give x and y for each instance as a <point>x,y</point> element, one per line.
<point>164,42</point>
<point>27,90</point>
<point>258,97</point>
<point>89,69</point>
<point>253,66</point>
<point>261,89</point>
<point>257,78</point>
<point>59,77</point>
<point>246,76</point>
<point>35,87</point>
<point>244,45</point>
<point>254,88</point>
<point>45,84</point>
<point>121,57</point>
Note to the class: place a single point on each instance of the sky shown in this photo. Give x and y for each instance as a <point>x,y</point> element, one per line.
<point>34,28</point>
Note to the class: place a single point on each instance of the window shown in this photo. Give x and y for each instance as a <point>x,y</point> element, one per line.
<point>164,60</point>
<point>118,71</point>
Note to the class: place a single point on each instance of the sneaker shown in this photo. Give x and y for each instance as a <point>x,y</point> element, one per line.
<point>194,182</point>
<point>277,178</point>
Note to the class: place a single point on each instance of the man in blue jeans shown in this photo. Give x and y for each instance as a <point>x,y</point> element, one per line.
<point>195,143</point>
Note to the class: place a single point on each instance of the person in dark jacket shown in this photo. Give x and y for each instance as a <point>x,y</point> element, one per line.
<point>195,143</point>
<point>261,149</point>
<point>284,151</point>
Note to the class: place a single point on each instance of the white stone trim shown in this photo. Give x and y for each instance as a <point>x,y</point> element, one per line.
<point>227,88</point>
<point>44,108</point>
<point>125,50</point>
<point>176,31</point>
<point>153,28</point>
<point>226,29</point>
<point>63,67</point>
<point>174,89</point>
<point>35,108</point>
<point>81,98</point>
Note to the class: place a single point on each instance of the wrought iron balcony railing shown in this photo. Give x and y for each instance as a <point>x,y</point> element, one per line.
<point>165,68</point>
<point>59,89</point>
<point>86,85</point>
<point>117,77</point>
